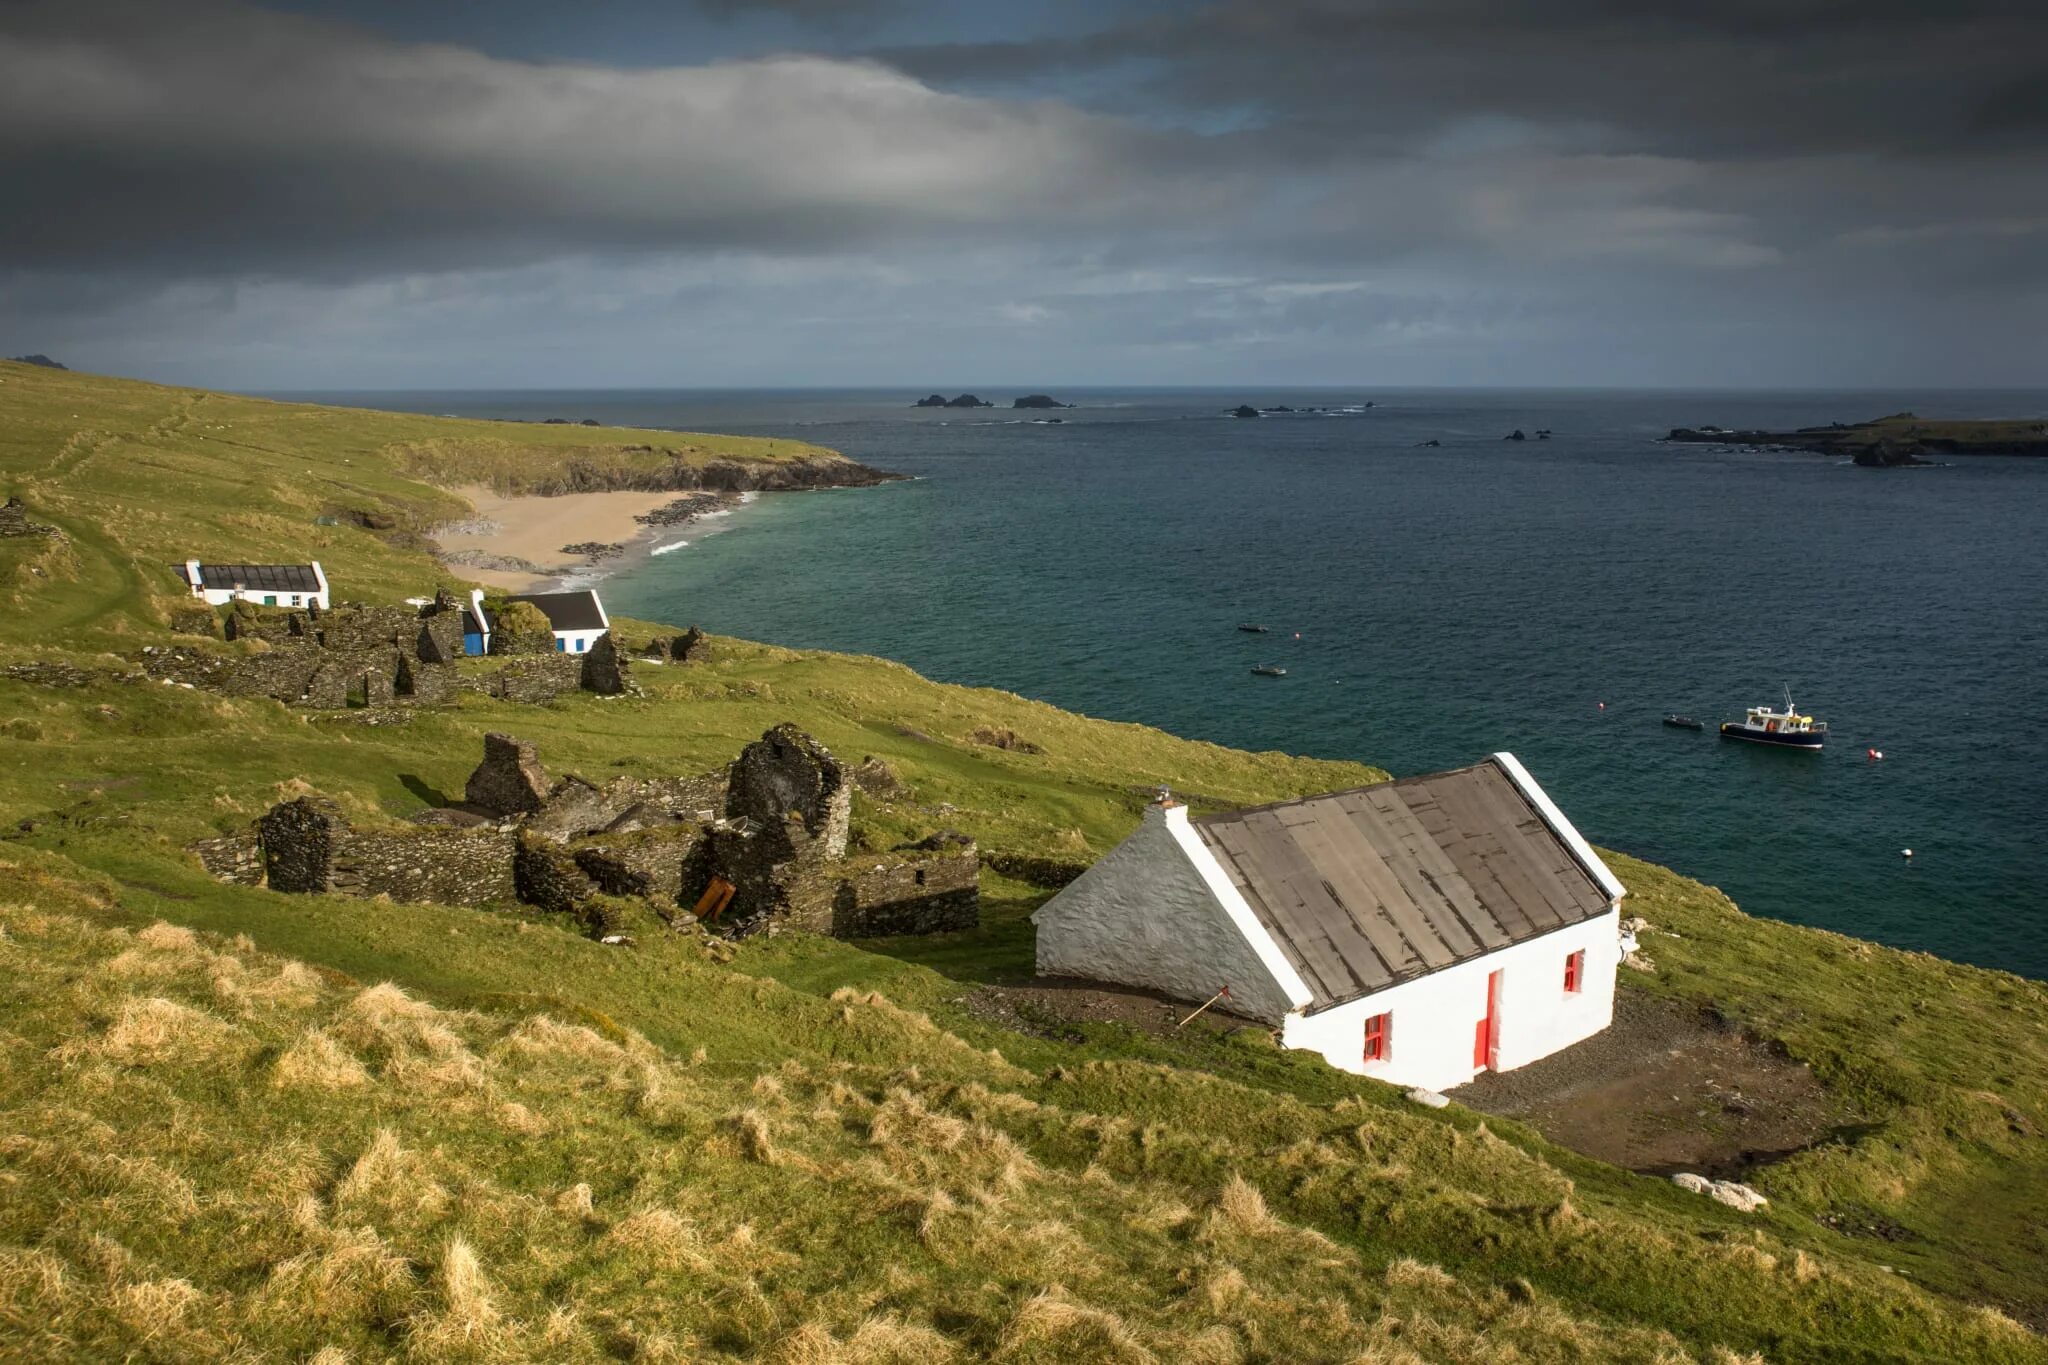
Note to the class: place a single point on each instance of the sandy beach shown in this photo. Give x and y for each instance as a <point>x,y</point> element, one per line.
<point>535,530</point>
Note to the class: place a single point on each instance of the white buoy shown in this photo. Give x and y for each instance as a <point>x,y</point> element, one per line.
<point>1905,853</point>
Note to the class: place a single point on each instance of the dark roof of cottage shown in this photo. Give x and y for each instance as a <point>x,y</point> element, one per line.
<point>257,577</point>
<point>1367,888</point>
<point>568,610</point>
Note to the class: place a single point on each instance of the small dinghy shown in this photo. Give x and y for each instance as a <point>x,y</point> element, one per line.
<point>1270,671</point>
<point>1684,723</point>
<point>1251,628</point>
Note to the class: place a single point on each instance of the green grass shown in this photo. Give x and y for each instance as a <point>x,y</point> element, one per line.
<point>962,1187</point>
<point>141,477</point>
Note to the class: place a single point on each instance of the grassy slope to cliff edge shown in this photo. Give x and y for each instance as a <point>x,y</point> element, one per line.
<point>140,477</point>
<point>1544,1252</point>
<point>140,769</point>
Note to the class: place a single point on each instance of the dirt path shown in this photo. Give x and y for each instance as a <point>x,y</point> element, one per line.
<point>1667,1089</point>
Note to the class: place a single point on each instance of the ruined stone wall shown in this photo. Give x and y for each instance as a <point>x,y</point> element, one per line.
<point>300,840</point>
<point>309,846</point>
<point>786,773</point>
<point>272,625</point>
<point>354,626</point>
<point>604,668</point>
<point>687,798</point>
<point>440,638</point>
<point>1052,873</point>
<point>650,863</point>
<point>869,897</point>
<point>197,619</point>
<point>424,683</point>
<point>546,876</point>
<point>531,679</point>
<point>437,866</point>
<point>235,858</point>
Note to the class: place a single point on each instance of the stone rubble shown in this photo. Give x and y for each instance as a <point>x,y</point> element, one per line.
<point>774,827</point>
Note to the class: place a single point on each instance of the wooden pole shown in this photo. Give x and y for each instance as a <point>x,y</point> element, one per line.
<point>1220,995</point>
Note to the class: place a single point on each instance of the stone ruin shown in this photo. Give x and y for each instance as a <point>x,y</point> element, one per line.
<point>757,848</point>
<point>689,647</point>
<point>369,656</point>
<point>14,522</point>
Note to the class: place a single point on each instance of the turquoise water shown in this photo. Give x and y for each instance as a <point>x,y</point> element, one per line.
<point>1455,600</point>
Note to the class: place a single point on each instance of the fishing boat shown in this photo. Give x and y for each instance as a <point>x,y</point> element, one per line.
<point>1251,628</point>
<point>1270,671</point>
<point>1678,722</point>
<point>1786,729</point>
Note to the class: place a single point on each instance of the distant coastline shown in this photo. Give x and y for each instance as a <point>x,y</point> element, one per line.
<point>1900,439</point>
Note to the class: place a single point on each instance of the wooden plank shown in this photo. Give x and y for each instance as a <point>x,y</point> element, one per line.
<point>1457,928</point>
<point>1319,962</point>
<point>1523,832</point>
<point>1441,940</point>
<point>1228,841</point>
<point>1497,844</point>
<point>1503,921</point>
<point>1395,832</point>
<point>1323,845</point>
<point>1321,923</point>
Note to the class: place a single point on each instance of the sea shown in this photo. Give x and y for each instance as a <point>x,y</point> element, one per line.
<point>1437,592</point>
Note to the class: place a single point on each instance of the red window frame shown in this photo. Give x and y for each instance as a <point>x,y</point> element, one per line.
<point>1575,972</point>
<point>1379,1038</point>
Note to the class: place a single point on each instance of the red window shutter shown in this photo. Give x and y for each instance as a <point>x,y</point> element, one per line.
<point>1574,970</point>
<point>1378,1035</point>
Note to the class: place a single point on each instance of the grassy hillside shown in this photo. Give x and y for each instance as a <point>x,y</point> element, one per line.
<point>140,477</point>
<point>239,1144</point>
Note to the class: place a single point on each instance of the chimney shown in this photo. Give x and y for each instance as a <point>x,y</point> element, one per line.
<point>192,575</point>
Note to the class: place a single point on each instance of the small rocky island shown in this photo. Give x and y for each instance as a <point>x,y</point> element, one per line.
<point>1244,410</point>
<point>1038,400</point>
<point>1886,442</point>
<point>965,400</point>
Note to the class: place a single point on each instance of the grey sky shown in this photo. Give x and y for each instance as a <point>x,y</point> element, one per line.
<point>878,191</point>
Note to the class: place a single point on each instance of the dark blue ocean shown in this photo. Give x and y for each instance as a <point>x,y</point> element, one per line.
<point>1450,601</point>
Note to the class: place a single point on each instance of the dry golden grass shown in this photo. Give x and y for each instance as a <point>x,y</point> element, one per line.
<point>629,1204</point>
<point>152,1030</point>
<point>660,1237</point>
<point>318,1061</point>
<point>1053,1327</point>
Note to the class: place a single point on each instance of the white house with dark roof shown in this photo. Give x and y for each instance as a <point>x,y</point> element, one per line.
<point>267,585</point>
<point>1420,931</point>
<point>577,619</point>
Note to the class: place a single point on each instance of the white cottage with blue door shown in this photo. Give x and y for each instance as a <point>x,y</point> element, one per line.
<point>1419,931</point>
<point>576,618</point>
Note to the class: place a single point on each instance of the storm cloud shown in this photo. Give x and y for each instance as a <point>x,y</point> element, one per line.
<point>1584,191</point>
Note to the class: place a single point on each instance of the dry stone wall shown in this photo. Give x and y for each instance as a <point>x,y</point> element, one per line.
<point>235,858</point>
<point>568,846</point>
<point>309,846</point>
<point>355,655</point>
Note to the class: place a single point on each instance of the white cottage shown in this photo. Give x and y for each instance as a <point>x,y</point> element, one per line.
<point>575,619</point>
<point>267,585</point>
<point>1420,931</point>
